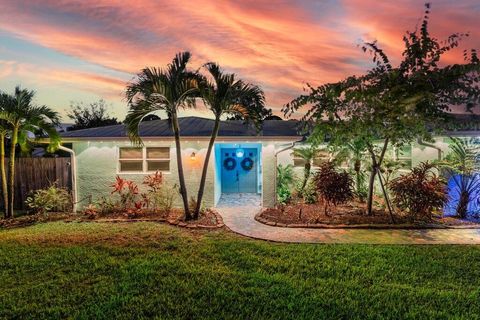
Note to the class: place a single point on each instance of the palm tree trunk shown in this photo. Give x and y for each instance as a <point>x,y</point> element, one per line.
<point>205,168</point>
<point>3,172</point>
<point>11,173</point>
<point>306,175</point>
<point>181,176</point>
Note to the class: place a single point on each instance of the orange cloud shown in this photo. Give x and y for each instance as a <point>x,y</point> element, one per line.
<point>279,46</point>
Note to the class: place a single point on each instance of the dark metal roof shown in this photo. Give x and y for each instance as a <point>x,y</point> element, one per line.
<point>193,127</point>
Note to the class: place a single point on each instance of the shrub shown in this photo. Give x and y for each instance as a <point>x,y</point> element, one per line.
<point>158,196</point>
<point>332,187</point>
<point>284,182</point>
<point>50,199</point>
<point>105,205</point>
<point>419,192</point>
<point>310,193</point>
<point>128,191</point>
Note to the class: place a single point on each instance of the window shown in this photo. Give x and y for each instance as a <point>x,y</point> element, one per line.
<point>133,159</point>
<point>321,157</point>
<point>158,159</point>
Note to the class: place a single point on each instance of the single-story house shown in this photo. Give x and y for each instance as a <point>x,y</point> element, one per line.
<point>244,159</point>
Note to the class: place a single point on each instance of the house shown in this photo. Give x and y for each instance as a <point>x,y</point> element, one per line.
<point>244,160</point>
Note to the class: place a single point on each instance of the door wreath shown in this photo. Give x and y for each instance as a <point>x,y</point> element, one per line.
<point>229,164</point>
<point>247,164</point>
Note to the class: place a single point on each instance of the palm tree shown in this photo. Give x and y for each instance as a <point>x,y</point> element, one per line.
<point>463,166</point>
<point>22,116</point>
<point>223,94</point>
<point>355,152</point>
<point>167,90</point>
<point>3,172</point>
<point>307,155</point>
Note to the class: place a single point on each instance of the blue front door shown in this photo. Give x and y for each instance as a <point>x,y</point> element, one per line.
<point>239,170</point>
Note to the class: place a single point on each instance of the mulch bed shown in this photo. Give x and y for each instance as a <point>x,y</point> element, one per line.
<point>350,215</point>
<point>28,220</point>
<point>209,219</point>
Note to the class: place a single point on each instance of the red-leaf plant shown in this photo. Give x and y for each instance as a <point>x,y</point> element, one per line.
<point>419,192</point>
<point>127,190</point>
<point>332,187</point>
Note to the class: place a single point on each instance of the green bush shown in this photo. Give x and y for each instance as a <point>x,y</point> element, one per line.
<point>50,199</point>
<point>284,183</point>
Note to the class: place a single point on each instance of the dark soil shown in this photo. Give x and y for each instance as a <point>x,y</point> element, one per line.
<point>353,213</point>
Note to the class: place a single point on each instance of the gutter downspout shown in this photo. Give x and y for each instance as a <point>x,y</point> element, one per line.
<point>73,165</point>
<point>422,143</point>
<point>291,146</point>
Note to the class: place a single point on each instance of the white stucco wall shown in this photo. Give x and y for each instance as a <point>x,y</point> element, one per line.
<point>97,164</point>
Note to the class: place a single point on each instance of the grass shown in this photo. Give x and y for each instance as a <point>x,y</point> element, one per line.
<point>142,270</point>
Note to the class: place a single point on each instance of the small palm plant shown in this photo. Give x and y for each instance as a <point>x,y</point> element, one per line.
<point>223,94</point>
<point>307,155</point>
<point>463,165</point>
<point>22,117</point>
<point>169,90</point>
<point>355,152</point>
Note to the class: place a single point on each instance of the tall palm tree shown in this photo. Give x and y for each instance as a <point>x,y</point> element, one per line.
<point>167,90</point>
<point>223,94</point>
<point>3,172</point>
<point>22,117</point>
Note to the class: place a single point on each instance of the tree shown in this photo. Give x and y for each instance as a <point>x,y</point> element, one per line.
<point>355,152</point>
<point>169,89</point>
<point>90,115</point>
<point>391,106</point>
<point>307,155</point>
<point>463,165</point>
<point>22,116</point>
<point>223,94</point>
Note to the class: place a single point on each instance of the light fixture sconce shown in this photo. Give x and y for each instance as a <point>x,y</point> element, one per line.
<point>239,153</point>
<point>193,156</point>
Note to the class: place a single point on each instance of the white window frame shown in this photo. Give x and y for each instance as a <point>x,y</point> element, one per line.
<point>144,160</point>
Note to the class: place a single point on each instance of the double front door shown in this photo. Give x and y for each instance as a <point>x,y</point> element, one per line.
<point>239,170</point>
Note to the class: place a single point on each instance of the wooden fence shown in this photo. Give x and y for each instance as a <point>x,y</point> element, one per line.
<point>36,173</point>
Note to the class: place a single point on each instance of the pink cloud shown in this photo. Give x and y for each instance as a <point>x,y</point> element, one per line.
<point>278,46</point>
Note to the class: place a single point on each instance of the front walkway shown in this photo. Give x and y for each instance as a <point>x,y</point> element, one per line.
<point>238,212</point>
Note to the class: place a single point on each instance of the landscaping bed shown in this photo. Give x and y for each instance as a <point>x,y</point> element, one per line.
<point>350,215</point>
<point>208,218</point>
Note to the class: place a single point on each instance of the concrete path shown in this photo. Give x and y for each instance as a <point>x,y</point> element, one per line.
<point>240,219</point>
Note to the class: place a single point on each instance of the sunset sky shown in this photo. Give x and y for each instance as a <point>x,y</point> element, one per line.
<point>89,49</point>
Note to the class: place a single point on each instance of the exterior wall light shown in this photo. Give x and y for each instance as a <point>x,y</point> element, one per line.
<point>239,153</point>
<point>193,156</point>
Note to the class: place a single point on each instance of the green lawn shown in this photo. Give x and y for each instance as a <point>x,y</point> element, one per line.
<point>141,270</point>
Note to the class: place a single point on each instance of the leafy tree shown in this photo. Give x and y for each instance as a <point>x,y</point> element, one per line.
<point>169,90</point>
<point>262,112</point>
<point>22,116</point>
<point>223,94</point>
<point>463,165</point>
<point>90,115</point>
<point>391,106</point>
